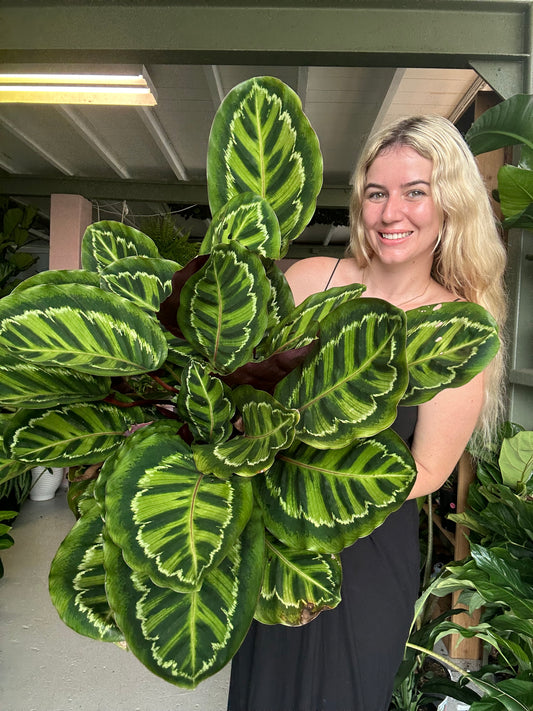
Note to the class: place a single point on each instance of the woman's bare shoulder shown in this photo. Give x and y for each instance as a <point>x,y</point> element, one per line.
<point>309,276</point>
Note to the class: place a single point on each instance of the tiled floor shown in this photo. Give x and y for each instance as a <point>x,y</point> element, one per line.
<point>45,666</point>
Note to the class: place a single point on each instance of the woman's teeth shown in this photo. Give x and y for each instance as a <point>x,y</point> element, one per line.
<point>395,235</point>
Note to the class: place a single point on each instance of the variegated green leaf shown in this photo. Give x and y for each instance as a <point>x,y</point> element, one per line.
<point>187,637</point>
<point>222,307</point>
<point>249,219</point>
<point>447,345</point>
<point>172,523</point>
<point>24,384</point>
<point>299,328</point>
<point>262,142</point>
<point>77,580</point>
<point>81,327</point>
<point>297,585</point>
<point>268,427</point>
<point>205,403</point>
<point>70,434</point>
<point>59,276</point>
<point>162,427</point>
<point>281,300</point>
<point>106,241</point>
<point>11,468</point>
<point>180,352</point>
<point>145,281</point>
<point>351,384</point>
<point>324,500</point>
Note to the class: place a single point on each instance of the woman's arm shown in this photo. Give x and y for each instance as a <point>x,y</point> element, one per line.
<point>443,429</point>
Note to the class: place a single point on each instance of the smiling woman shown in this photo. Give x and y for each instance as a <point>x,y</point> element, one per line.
<point>420,214</point>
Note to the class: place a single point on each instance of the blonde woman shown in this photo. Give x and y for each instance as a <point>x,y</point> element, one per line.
<point>422,232</point>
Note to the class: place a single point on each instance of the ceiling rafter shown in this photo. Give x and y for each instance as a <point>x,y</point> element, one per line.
<point>36,147</point>
<point>161,138</point>
<point>214,82</point>
<point>86,131</point>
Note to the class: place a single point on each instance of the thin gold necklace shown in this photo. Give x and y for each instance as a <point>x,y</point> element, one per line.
<point>407,301</point>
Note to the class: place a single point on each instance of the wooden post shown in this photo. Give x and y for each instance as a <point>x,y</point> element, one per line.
<point>459,648</point>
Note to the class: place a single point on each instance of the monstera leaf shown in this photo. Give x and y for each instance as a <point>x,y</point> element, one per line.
<point>297,585</point>
<point>261,142</point>
<point>351,384</point>
<point>104,242</point>
<point>80,327</point>
<point>324,500</point>
<point>447,344</point>
<point>186,637</point>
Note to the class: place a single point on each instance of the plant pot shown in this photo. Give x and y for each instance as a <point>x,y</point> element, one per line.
<point>45,482</point>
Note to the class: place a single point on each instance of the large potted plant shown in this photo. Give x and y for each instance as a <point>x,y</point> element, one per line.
<point>240,443</point>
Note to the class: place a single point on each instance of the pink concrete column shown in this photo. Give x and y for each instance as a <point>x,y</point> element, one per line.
<point>69,217</point>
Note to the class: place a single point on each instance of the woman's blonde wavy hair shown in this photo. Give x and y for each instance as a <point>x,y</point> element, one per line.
<point>469,259</point>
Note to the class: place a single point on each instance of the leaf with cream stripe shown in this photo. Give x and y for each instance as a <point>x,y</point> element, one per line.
<point>77,580</point>
<point>222,307</point>
<point>350,385</point>
<point>24,384</point>
<point>324,500</point>
<point>186,637</point>
<point>172,523</point>
<point>145,281</point>
<point>447,345</point>
<point>261,142</point>
<point>300,327</point>
<point>297,585</point>
<point>68,435</point>
<point>204,401</point>
<point>268,427</point>
<point>249,219</point>
<point>81,327</point>
<point>108,240</point>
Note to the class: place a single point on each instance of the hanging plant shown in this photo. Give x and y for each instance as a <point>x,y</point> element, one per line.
<point>245,442</point>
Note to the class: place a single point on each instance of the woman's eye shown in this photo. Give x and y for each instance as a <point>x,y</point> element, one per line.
<point>375,196</point>
<point>415,193</point>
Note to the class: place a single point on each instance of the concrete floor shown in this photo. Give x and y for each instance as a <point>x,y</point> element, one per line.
<point>44,665</point>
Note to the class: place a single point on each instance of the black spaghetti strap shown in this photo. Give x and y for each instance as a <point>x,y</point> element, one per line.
<point>332,273</point>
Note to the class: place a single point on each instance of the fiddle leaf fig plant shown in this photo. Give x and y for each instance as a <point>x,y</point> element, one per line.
<point>239,442</point>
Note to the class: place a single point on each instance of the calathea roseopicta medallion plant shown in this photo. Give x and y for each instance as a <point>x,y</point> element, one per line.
<point>241,442</point>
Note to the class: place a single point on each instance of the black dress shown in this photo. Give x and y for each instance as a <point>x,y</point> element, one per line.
<point>345,659</point>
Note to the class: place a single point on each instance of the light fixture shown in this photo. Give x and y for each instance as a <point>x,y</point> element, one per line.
<point>106,89</point>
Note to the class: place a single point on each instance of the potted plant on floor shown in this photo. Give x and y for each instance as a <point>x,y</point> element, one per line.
<point>214,511</point>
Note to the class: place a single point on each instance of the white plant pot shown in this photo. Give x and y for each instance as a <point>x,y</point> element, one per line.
<point>45,482</point>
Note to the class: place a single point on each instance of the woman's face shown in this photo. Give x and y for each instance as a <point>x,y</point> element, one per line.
<point>401,220</point>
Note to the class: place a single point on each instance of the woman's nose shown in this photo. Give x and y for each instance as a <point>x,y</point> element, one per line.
<point>391,209</point>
